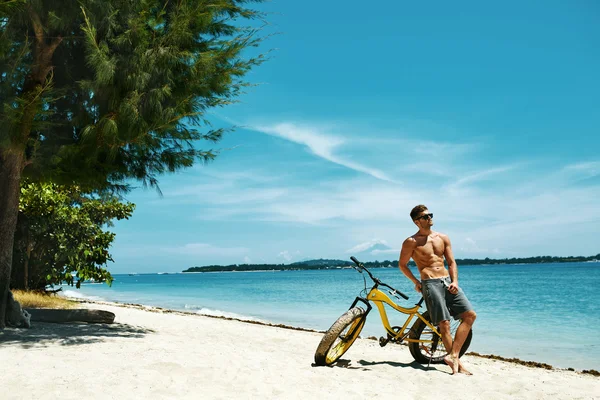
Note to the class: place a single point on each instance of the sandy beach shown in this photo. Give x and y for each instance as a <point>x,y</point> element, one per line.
<point>170,355</point>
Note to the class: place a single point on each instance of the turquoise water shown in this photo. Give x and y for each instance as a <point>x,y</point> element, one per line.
<point>540,312</point>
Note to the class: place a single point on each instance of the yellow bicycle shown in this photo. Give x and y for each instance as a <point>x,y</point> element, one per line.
<point>423,338</point>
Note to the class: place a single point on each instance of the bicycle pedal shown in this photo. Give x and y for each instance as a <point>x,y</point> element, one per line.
<point>383,341</point>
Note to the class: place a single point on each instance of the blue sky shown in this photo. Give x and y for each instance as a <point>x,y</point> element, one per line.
<point>487,113</point>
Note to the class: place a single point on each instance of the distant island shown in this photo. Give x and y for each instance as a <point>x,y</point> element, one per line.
<point>337,264</point>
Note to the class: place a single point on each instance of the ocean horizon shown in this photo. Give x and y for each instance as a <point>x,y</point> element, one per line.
<point>535,312</point>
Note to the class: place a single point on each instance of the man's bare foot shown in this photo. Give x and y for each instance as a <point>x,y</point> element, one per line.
<point>462,369</point>
<point>453,362</point>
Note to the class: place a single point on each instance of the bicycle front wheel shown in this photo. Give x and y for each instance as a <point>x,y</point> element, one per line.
<point>342,334</point>
<point>433,349</point>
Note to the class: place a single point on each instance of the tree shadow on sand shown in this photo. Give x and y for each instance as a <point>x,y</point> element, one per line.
<point>42,334</point>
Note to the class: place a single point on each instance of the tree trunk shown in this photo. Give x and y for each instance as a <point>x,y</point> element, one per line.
<point>12,158</point>
<point>11,167</point>
<point>26,265</point>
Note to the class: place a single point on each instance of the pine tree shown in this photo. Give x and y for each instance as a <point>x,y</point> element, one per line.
<point>97,92</point>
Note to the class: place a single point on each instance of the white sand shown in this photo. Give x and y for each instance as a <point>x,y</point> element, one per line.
<point>150,355</point>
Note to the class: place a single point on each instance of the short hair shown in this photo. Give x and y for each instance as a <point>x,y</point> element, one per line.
<point>417,210</point>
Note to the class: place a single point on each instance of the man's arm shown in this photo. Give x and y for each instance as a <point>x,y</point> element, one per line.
<point>452,267</point>
<point>407,250</point>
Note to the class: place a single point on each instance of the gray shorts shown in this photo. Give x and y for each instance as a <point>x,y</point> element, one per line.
<point>442,304</point>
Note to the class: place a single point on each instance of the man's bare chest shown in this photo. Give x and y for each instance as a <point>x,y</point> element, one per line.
<point>427,246</point>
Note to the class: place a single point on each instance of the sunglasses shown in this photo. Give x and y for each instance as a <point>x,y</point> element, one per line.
<point>425,216</point>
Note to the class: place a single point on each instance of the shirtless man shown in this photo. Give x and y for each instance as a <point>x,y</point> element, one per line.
<point>438,284</point>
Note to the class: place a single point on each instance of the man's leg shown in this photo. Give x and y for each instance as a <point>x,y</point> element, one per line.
<point>452,359</point>
<point>446,335</point>
<point>448,343</point>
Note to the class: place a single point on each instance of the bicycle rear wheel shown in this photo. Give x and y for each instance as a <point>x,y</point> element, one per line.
<point>342,334</point>
<point>434,350</point>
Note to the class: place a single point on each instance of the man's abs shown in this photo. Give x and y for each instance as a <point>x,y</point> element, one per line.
<point>433,272</point>
<point>430,266</point>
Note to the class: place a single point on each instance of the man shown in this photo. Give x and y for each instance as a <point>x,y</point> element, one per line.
<point>438,284</point>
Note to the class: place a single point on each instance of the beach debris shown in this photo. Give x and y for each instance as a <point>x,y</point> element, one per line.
<point>533,364</point>
<point>591,372</point>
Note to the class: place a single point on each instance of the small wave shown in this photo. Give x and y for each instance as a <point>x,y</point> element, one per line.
<point>226,314</point>
<point>79,295</point>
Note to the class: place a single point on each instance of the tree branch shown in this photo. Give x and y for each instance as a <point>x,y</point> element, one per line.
<point>55,42</point>
<point>38,29</point>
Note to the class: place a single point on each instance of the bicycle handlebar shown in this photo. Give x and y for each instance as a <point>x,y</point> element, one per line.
<point>358,263</point>
<point>376,280</point>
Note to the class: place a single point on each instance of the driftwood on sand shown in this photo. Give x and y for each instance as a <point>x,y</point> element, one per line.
<point>74,315</point>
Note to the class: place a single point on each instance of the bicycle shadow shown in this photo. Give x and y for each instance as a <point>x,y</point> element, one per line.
<point>364,365</point>
<point>413,365</point>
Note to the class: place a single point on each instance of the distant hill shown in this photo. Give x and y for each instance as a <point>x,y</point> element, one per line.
<point>303,265</point>
<point>321,263</point>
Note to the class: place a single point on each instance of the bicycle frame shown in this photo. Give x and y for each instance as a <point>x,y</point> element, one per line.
<point>379,298</point>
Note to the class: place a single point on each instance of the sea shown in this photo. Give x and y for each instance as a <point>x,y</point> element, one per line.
<point>547,313</point>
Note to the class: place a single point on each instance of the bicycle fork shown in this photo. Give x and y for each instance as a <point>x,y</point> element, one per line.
<point>364,317</point>
<point>363,300</point>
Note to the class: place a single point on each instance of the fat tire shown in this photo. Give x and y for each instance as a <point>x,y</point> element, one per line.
<point>415,333</point>
<point>356,315</point>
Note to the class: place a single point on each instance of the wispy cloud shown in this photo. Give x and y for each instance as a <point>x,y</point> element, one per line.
<point>355,200</point>
<point>285,255</point>
<point>386,252</point>
<point>403,142</point>
<point>479,176</point>
<point>246,175</point>
<point>469,246</point>
<point>320,144</point>
<point>584,170</point>
<point>486,207</point>
<point>206,249</point>
<point>225,189</point>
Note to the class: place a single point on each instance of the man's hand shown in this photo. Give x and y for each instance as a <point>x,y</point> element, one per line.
<point>418,286</point>
<point>453,288</point>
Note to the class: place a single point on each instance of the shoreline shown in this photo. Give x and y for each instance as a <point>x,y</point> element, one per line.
<point>163,310</point>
